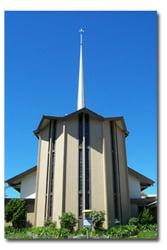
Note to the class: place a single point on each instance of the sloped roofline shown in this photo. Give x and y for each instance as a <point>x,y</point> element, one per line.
<point>145,181</point>
<point>17,178</point>
<point>83,110</point>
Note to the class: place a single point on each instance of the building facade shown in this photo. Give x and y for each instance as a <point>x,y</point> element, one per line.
<point>82,165</point>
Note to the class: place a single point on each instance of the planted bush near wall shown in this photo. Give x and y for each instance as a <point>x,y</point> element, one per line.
<point>145,217</point>
<point>133,221</point>
<point>123,231</point>
<point>97,219</point>
<point>46,233</point>
<point>50,223</point>
<point>68,221</point>
<point>15,212</point>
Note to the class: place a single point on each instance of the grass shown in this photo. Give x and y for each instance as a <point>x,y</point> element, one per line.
<point>52,233</point>
<point>148,235</point>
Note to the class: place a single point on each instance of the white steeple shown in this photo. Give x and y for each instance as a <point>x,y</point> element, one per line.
<point>81,101</point>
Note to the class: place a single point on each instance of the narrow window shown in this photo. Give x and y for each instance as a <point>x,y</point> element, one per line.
<point>50,171</point>
<point>80,165</point>
<point>114,173</point>
<point>87,174</point>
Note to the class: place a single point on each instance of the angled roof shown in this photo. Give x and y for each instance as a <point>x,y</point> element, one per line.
<point>144,181</point>
<point>15,181</point>
<point>46,118</point>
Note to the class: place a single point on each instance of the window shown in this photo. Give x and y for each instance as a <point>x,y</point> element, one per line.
<point>80,165</point>
<point>87,174</point>
<point>80,170</point>
<point>50,171</point>
<point>115,179</point>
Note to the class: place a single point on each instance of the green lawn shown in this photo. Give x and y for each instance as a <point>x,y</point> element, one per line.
<point>149,235</point>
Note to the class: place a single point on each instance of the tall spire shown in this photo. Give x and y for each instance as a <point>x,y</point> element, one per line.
<point>81,101</point>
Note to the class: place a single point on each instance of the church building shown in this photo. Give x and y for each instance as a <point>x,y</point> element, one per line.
<point>82,165</point>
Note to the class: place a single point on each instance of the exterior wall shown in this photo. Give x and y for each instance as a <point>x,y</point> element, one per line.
<point>108,172</point>
<point>58,189</point>
<point>41,180</point>
<point>28,184</point>
<point>30,217</point>
<point>134,187</point>
<point>133,210</point>
<point>65,189</point>
<point>123,175</point>
<point>71,187</point>
<point>98,199</point>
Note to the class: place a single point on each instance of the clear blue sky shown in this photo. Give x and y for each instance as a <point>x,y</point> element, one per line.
<point>41,74</point>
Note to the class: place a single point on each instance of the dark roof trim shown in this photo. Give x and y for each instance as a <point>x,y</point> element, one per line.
<point>16,179</point>
<point>85,110</point>
<point>143,201</point>
<point>144,181</point>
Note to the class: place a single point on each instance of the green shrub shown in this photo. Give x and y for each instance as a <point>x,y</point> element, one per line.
<point>68,221</point>
<point>12,233</point>
<point>148,227</point>
<point>44,232</point>
<point>63,233</point>
<point>116,232</point>
<point>83,231</point>
<point>133,221</point>
<point>15,212</point>
<point>123,231</point>
<point>145,217</point>
<point>97,219</point>
<point>50,223</point>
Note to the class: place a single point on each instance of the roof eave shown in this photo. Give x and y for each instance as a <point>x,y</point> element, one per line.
<point>19,176</point>
<point>86,110</point>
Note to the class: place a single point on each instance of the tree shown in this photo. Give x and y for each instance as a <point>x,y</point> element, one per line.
<point>145,217</point>
<point>15,212</point>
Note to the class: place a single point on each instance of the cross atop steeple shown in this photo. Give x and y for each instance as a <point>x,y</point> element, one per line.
<point>81,97</point>
<point>81,31</point>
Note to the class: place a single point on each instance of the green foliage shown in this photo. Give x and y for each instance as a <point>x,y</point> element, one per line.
<point>148,227</point>
<point>116,232</point>
<point>122,231</point>
<point>133,221</point>
<point>63,233</point>
<point>149,235</point>
<point>15,212</point>
<point>97,219</point>
<point>145,217</point>
<point>12,233</point>
<point>83,231</point>
<point>47,232</point>
<point>50,223</point>
<point>36,233</point>
<point>68,221</point>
